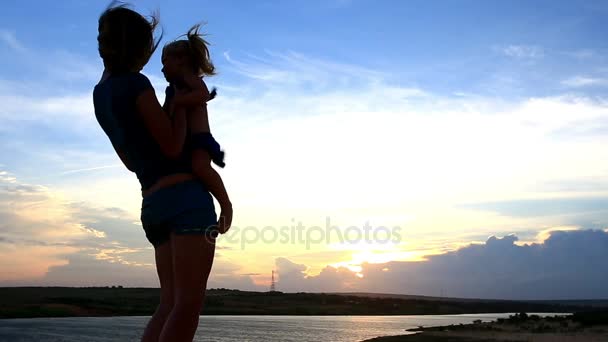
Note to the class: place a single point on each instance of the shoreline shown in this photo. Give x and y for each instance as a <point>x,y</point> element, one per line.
<point>577,327</point>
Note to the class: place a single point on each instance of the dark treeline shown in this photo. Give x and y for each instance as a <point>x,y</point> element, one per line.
<point>118,301</point>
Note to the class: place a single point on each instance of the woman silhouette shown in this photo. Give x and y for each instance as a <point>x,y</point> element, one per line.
<point>178,214</point>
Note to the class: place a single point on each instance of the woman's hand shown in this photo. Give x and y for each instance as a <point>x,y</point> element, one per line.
<point>179,93</point>
<point>225,220</point>
<point>193,95</point>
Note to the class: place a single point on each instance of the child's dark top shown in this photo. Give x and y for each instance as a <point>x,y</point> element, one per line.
<point>204,140</point>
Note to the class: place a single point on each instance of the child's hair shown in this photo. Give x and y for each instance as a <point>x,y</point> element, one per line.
<point>126,38</point>
<point>195,49</point>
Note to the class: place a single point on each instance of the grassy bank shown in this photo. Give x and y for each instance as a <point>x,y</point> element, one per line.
<point>108,301</point>
<point>583,326</point>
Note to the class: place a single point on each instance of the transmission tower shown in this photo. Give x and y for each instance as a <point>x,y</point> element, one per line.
<point>272,284</point>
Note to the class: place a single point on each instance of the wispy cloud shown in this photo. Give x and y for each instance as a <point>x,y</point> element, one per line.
<point>584,81</point>
<point>522,51</point>
<point>69,107</point>
<point>90,169</point>
<point>58,64</point>
<point>6,177</point>
<point>544,207</point>
<point>583,53</point>
<point>55,97</point>
<point>9,38</point>
<point>292,68</point>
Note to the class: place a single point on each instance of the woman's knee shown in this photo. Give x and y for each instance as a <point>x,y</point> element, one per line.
<point>164,309</point>
<point>190,297</point>
<point>190,307</point>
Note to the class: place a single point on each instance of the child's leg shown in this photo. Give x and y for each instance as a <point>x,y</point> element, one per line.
<point>204,150</point>
<point>201,166</point>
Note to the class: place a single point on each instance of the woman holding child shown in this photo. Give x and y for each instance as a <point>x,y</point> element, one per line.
<point>170,149</point>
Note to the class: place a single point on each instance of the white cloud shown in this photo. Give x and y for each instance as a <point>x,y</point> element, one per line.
<point>567,265</point>
<point>91,169</point>
<point>522,51</point>
<point>292,69</point>
<point>41,229</point>
<point>425,149</point>
<point>583,81</point>
<point>583,53</point>
<point>88,270</point>
<point>59,65</point>
<point>116,264</point>
<point>228,274</point>
<point>50,109</point>
<point>48,239</point>
<point>36,228</point>
<point>66,66</point>
<point>375,148</point>
<point>292,278</point>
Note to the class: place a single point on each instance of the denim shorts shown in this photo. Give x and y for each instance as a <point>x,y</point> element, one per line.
<point>183,208</point>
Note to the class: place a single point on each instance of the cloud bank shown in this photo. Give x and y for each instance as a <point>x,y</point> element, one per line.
<point>567,265</point>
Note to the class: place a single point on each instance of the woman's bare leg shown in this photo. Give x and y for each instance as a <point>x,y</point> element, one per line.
<point>192,261</point>
<point>164,268</point>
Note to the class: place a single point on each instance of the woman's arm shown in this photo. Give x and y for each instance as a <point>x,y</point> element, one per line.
<point>169,134</point>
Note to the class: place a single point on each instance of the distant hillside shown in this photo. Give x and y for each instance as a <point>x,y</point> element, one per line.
<point>568,302</point>
<point>404,296</point>
<point>596,303</point>
<point>117,301</point>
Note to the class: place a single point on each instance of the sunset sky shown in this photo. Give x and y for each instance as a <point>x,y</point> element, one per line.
<point>470,136</point>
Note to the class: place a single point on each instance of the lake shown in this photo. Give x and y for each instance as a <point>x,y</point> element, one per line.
<point>230,328</point>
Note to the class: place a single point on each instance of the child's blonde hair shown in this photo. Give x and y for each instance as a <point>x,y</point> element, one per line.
<point>195,49</point>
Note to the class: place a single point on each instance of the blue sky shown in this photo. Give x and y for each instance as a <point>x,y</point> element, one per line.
<point>454,121</point>
<point>442,46</point>
<point>505,50</point>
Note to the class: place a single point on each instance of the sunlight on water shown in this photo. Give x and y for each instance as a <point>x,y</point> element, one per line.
<point>229,328</point>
